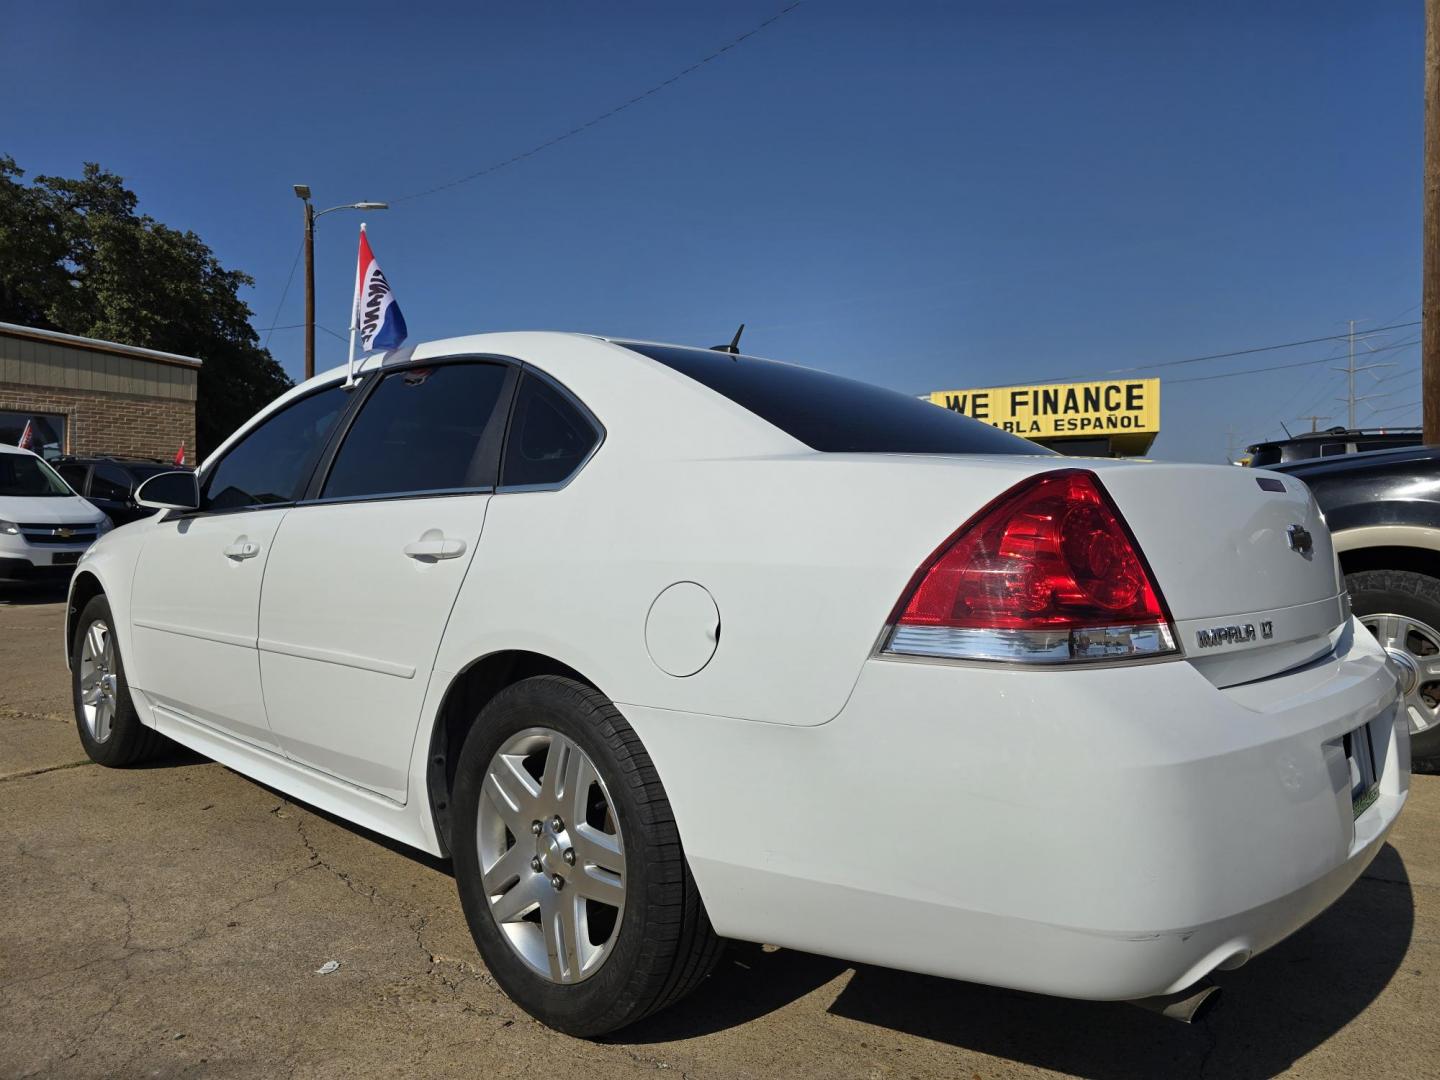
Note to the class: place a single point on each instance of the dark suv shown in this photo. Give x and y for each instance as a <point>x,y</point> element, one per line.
<point>1332,442</point>
<point>110,483</point>
<point>1383,509</point>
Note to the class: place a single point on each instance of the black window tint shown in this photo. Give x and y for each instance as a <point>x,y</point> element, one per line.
<point>109,482</point>
<point>74,476</point>
<point>272,463</point>
<point>423,429</point>
<point>1334,449</point>
<point>549,437</point>
<point>835,414</point>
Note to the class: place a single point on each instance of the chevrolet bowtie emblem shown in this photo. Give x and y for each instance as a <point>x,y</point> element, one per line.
<point>64,533</point>
<point>1300,540</point>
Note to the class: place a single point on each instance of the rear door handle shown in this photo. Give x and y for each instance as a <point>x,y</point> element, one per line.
<point>435,547</point>
<point>242,549</point>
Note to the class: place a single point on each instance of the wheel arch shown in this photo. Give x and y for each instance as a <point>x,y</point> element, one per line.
<point>1419,560</point>
<point>469,692</point>
<point>84,588</point>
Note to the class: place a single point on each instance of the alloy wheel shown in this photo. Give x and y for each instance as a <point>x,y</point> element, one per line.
<point>98,680</point>
<point>552,857</point>
<point>1414,651</point>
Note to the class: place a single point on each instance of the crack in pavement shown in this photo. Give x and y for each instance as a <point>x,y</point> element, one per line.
<point>42,770</point>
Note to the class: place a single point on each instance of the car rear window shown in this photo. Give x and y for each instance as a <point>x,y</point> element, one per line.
<point>834,414</point>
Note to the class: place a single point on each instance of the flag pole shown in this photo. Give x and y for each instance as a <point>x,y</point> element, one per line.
<point>354,321</point>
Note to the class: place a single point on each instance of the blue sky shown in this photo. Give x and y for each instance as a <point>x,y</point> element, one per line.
<point>925,195</point>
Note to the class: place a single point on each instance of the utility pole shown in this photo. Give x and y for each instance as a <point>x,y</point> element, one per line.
<point>302,191</point>
<point>1350,370</point>
<point>1430,232</point>
<point>1314,422</point>
<point>309,288</point>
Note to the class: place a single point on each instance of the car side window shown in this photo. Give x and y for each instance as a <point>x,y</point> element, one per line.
<point>1333,449</point>
<point>422,430</point>
<point>110,482</point>
<point>549,437</point>
<point>272,463</point>
<point>74,476</point>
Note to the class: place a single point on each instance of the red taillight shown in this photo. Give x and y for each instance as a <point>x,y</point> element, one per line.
<point>1048,572</point>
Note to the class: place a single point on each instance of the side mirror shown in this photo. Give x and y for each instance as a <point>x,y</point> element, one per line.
<point>169,491</point>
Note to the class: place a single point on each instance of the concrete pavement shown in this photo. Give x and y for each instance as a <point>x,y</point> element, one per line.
<point>171,921</point>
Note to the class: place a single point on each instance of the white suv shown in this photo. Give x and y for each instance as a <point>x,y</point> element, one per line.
<point>44,526</point>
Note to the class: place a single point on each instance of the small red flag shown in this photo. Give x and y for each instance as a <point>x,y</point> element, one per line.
<point>27,437</point>
<point>180,455</point>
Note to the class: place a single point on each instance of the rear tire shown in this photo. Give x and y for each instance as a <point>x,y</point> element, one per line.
<point>1414,597</point>
<point>660,946</point>
<point>110,729</point>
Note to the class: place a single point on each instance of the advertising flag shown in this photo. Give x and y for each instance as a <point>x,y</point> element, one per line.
<point>27,437</point>
<point>377,316</point>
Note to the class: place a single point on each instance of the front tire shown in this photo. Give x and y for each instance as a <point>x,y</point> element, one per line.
<point>1402,609</point>
<point>110,729</point>
<point>569,863</point>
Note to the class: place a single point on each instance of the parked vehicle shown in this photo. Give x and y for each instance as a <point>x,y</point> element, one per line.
<point>44,525</point>
<point>1332,442</point>
<point>1383,508</point>
<point>110,482</point>
<point>664,645</point>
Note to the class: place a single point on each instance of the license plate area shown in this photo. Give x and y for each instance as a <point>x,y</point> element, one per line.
<point>65,558</point>
<point>1364,779</point>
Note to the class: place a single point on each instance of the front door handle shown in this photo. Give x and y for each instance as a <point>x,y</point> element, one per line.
<point>433,545</point>
<point>242,549</point>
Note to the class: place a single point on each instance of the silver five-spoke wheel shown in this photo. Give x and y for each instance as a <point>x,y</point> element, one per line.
<point>1414,651</point>
<point>552,856</point>
<point>98,680</point>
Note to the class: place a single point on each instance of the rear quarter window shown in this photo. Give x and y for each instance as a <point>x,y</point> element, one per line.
<point>831,413</point>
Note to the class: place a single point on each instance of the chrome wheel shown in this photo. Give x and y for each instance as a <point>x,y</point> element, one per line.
<point>552,858</point>
<point>1414,651</point>
<point>98,680</point>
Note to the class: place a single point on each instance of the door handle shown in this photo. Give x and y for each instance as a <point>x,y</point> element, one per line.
<point>242,549</point>
<point>429,548</point>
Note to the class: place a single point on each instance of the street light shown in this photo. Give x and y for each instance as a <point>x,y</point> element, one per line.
<point>303,192</point>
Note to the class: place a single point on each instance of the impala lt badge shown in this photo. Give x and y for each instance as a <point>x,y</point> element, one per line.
<point>1300,540</point>
<point>1225,635</point>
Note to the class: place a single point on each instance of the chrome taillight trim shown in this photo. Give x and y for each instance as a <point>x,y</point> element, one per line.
<point>1100,643</point>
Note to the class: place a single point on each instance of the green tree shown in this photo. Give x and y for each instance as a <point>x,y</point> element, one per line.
<point>76,257</point>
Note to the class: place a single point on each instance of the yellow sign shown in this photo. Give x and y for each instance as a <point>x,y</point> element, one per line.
<point>1063,410</point>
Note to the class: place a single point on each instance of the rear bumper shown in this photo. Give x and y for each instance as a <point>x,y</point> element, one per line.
<point>1108,833</point>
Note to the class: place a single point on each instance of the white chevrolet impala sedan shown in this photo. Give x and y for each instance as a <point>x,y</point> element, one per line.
<point>667,645</point>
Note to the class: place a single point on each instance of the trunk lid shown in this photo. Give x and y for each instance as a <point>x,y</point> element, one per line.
<point>1243,559</point>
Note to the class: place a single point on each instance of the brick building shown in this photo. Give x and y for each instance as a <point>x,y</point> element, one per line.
<point>88,397</point>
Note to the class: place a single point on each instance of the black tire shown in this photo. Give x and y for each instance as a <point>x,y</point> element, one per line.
<point>129,742</point>
<point>1401,592</point>
<point>664,945</point>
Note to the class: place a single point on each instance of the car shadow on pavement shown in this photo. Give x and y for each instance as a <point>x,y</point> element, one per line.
<point>1273,1011</point>
<point>20,593</point>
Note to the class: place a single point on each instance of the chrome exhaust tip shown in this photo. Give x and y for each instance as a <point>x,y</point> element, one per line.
<point>1185,1006</point>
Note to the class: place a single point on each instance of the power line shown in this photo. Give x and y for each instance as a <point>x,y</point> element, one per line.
<point>1248,352</point>
<point>605,115</point>
<point>1277,367</point>
<point>283,294</point>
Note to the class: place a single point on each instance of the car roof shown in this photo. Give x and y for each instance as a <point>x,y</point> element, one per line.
<point>6,448</point>
<point>89,459</point>
<point>1336,434</point>
<point>1325,466</point>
